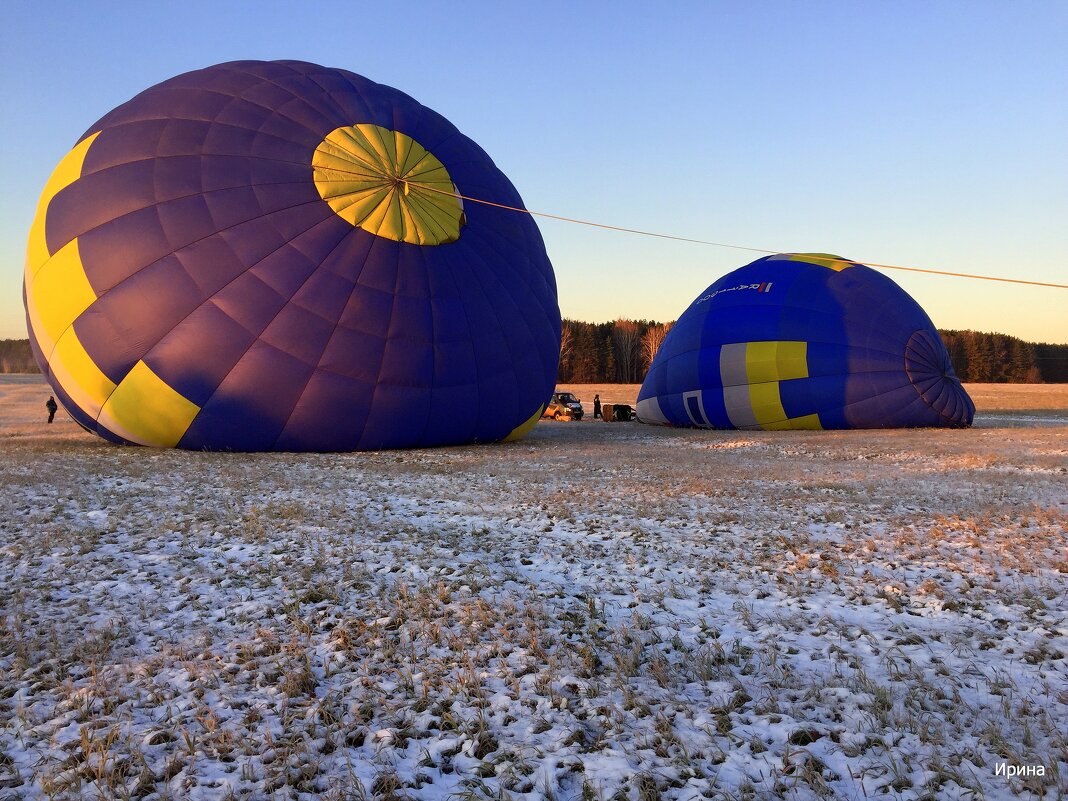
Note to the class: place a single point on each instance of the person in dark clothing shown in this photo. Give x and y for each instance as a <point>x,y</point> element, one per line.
<point>50,404</point>
<point>596,407</point>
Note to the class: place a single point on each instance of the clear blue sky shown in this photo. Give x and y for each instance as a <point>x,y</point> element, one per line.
<point>925,134</point>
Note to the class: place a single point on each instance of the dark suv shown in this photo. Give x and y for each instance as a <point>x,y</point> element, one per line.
<point>563,406</point>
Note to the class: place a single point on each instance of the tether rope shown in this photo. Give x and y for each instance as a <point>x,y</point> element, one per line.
<point>640,232</point>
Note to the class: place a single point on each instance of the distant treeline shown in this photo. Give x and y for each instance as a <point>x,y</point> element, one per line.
<point>620,352</point>
<point>1000,359</point>
<point>16,357</point>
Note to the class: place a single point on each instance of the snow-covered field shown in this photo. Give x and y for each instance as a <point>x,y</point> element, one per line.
<point>597,612</point>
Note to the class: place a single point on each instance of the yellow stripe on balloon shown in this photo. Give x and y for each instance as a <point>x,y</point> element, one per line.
<point>66,172</point>
<point>58,294</point>
<point>142,407</point>
<point>828,260</point>
<point>58,278</point>
<point>146,410</point>
<point>766,403</point>
<point>776,361</point>
<point>809,422</point>
<point>77,374</point>
<point>523,429</point>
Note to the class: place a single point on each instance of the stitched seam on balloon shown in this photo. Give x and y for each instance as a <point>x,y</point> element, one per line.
<point>524,277</point>
<point>299,74</point>
<point>473,430</point>
<point>258,337</point>
<point>213,233</point>
<point>160,91</point>
<point>930,404</point>
<point>938,404</point>
<point>329,94</point>
<point>899,411</point>
<point>494,277</point>
<point>213,154</point>
<point>167,255</point>
<point>429,301</point>
<point>242,98</point>
<point>326,346</point>
<point>148,350</point>
<point>433,354</point>
<point>424,257</point>
<point>219,231</point>
<point>378,376</point>
<point>508,344</point>
<point>343,277</point>
<point>540,272</point>
<point>210,122</point>
<point>505,257</point>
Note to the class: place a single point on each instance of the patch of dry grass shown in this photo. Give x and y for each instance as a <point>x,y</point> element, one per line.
<point>596,612</point>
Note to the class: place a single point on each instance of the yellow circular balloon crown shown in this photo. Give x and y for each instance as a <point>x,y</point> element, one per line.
<point>388,184</point>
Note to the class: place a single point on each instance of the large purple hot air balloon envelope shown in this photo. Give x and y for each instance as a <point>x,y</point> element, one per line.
<point>279,256</point>
<point>804,340</point>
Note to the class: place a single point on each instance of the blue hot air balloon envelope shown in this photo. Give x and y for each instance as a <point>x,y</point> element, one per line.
<point>277,256</point>
<point>808,341</point>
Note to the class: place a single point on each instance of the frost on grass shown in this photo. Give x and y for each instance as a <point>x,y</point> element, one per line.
<point>599,612</point>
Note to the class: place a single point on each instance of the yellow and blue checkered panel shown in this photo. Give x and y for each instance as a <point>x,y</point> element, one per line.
<point>140,407</point>
<point>751,374</point>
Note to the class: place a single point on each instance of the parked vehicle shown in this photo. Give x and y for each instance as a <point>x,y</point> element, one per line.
<point>564,406</point>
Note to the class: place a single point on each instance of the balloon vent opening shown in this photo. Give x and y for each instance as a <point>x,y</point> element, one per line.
<point>929,369</point>
<point>388,184</point>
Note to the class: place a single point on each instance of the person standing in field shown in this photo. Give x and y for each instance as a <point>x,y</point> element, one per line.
<point>596,407</point>
<point>50,404</point>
